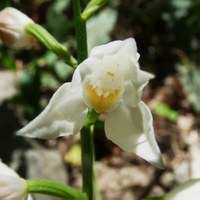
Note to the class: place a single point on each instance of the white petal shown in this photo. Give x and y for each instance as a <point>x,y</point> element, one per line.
<point>106,49</point>
<point>93,66</point>
<point>88,67</point>
<point>132,130</point>
<point>12,186</point>
<point>4,169</point>
<point>143,77</point>
<point>123,126</point>
<point>131,95</point>
<point>65,114</point>
<point>12,23</point>
<point>134,88</point>
<point>147,147</point>
<point>121,53</point>
<point>129,48</point>
<point>12,15</point>
<point>185,191</point>
<point>76,79</point>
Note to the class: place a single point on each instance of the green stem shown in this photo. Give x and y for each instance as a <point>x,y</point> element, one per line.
<point>87,161</point>
<point>155,198</point>
<point>87,131</point>
<point>54,189</point>
<point>81,35</point>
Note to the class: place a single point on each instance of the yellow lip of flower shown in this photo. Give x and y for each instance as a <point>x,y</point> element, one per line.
<point>104,90</point>
<point>102,102</point>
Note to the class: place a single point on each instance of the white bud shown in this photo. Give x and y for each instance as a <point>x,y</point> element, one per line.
<point>12,24</point>
<point>12,187</point>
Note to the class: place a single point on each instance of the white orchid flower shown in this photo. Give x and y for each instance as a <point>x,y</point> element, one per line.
<point>12,24</point>
<point>109,81</point>
<point>12,187</point>
<point>188,190</point>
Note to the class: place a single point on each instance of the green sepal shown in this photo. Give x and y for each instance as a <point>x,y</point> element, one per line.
<point>47,40</point>
<point>91,117</point>
<point>165,111</point>
<point>55,189</point>
<point>92,7</point>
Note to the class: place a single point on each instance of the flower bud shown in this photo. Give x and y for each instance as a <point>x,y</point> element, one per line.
<point>11,185</point>
<point>12,24</point>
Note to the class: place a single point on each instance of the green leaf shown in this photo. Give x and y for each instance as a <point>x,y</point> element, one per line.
<point>30,93</point>
<point>61,24</point>
<point>49,58</point>
<point>55,189</point>
<point>60,5</point>
<point>154,198</point>
<point>189,76</point>
<point>62,70</point>
<point>92,7</point>
<point>50,42</point>
<point>165,111</point>
<point>56,66</point>
<point>7,60</point>
<point>106,19</point>
<point>49,81</point>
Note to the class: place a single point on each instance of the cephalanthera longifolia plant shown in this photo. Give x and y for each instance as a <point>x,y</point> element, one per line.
<point>108,80</point>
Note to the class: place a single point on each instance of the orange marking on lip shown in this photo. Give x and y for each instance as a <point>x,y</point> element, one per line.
<point>103,102</point>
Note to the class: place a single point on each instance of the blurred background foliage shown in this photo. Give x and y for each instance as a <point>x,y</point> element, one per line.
<point>167,33</point>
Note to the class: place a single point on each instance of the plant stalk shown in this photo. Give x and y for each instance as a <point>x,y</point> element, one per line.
<point>87,146</point>
<point>81,34</point>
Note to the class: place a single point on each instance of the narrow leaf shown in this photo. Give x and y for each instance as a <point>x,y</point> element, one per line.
<point>92,7</point>
<point>55,189</point>
<point>46,39</point>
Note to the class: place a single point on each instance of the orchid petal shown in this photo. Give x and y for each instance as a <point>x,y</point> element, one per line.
<point>147,147</point>
<point>134,88</point>
<point>132,130</point>
<point>106,49</point>
<point>129,48</point>
<point>12,186</point>
<point>88,67</point>
<point>4,169</point>
<point>64,115</point>
<point>12,24</point>
<point>123,126</point>
<point>185,191</point>
<point>131,95</point>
